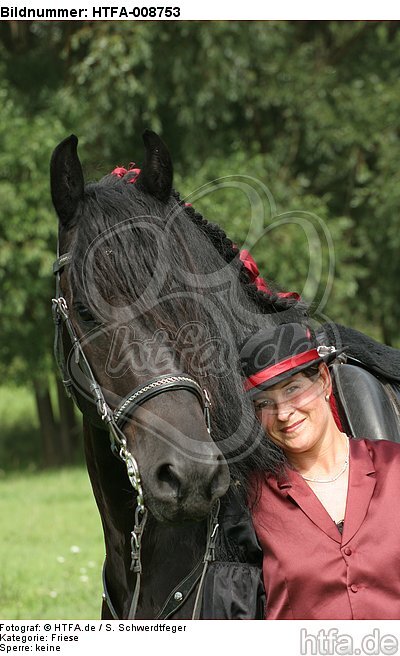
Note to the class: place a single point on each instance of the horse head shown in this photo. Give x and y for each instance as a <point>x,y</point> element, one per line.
<point>130,333</point>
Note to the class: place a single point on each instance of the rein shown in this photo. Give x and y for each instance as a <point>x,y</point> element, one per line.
<point>115,421</point>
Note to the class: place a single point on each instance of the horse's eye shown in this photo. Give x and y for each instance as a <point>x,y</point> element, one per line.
<point>85,314</point>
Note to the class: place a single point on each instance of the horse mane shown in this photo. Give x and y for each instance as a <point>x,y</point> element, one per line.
<point>120,222</point>
<point>267,303</point>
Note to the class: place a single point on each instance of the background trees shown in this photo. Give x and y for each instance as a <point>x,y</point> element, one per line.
<point>308,109</point>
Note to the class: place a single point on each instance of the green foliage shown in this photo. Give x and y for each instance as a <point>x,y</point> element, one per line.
<point>308,109</point>
<point>51,559</point>
<point>27,242</point>
<point>289,232</point>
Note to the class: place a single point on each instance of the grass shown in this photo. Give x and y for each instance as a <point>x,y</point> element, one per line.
<point>51,547</point>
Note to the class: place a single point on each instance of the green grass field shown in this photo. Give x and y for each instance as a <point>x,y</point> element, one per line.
<point>51,546</point>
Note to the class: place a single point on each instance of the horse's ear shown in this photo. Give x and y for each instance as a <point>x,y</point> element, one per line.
<point>66,180</point>
<point>156,174</point>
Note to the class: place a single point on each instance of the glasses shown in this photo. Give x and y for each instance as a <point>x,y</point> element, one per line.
<point>294,394</point>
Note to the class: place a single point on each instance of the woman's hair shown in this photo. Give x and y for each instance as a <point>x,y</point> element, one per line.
<point>312,371</point>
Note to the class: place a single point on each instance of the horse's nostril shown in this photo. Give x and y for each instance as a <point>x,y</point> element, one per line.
<point>166,475</point>
<point>205,483</point>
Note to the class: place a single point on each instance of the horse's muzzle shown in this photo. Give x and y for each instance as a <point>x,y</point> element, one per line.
<point>184,491</point>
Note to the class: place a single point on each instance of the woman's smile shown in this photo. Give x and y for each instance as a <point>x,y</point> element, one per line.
<point>292,427</point>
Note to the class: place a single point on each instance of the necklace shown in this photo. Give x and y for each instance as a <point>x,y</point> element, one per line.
<point>334,478</point>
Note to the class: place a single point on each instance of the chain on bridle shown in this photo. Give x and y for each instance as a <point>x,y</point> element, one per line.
<point>115,421</point>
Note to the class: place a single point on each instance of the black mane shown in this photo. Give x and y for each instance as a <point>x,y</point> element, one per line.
<point>172,268</point>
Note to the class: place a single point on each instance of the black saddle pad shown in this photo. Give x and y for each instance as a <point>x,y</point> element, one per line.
<point>368,407</point>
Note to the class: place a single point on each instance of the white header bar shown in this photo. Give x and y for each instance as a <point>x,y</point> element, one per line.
<point>197,638</point>
<point>164,10</point>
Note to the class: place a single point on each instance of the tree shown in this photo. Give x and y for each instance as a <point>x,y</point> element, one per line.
<point>27,249</point>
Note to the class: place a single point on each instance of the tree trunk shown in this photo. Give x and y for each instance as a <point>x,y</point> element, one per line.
<point>48,427</point>
<point>69,426</point>
<point>386,333</point>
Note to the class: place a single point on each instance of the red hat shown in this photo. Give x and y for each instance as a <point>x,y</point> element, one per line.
<point>276,353</point>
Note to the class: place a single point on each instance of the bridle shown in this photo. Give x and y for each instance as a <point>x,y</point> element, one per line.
<point>115,420</point>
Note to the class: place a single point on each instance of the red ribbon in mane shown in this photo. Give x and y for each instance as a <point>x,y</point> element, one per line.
<point>120,171</point>
<point>259,282</point>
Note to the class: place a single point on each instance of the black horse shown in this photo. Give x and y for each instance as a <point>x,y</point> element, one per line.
<point>145,290</point>
<point>155,303</point>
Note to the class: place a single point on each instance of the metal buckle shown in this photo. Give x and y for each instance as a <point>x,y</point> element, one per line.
<point>207,406</point>
<point>136,539</point>
<point>325,350</point>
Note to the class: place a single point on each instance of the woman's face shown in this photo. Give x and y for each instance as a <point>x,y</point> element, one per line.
<point>295,413</point>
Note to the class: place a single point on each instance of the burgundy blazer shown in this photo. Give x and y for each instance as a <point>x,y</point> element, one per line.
<point>310,570</point>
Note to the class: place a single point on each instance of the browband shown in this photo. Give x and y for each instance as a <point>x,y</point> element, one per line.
<point>154,387</point>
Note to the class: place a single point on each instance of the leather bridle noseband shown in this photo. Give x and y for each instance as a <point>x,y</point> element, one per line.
<point>115,420</point>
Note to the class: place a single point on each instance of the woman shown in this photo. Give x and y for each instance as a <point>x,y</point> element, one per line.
<point>328,524</point>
